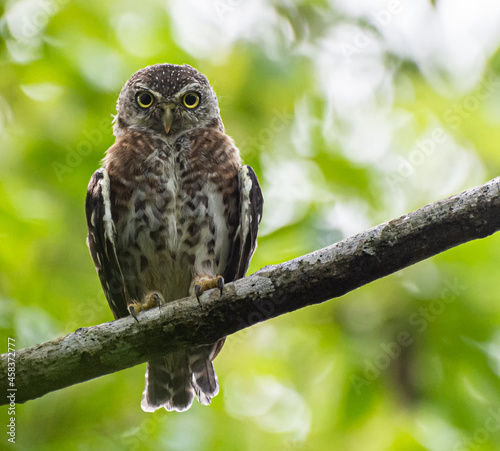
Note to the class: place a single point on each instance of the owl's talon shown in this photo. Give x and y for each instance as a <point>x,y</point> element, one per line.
<point>156,298</point>
<point>131,309</point>
<point>220,283</point>
<point>151,300</point>
<point>204,283</point>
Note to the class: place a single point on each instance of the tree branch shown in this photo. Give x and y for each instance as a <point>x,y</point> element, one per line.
<point>274,290</point>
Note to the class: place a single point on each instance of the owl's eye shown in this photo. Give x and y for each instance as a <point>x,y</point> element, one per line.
<point>144,99</point>
<point>191,100</point>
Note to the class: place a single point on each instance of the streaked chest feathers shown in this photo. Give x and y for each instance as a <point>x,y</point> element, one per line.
<point>175,223</point>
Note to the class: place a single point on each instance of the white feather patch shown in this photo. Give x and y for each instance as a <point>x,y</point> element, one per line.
<point>245,200</point>
<point>109,227</point>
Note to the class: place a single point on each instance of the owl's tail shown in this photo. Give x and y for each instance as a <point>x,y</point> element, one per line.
<point>173,380</point>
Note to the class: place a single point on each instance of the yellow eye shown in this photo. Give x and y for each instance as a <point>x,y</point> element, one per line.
<point>191,100</point>
<point>144,99</point>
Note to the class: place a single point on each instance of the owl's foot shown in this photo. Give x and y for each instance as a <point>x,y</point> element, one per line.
<point>204,283</point>
<point>151,300</point>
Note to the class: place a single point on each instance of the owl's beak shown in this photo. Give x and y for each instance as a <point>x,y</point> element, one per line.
<point>168,117</point>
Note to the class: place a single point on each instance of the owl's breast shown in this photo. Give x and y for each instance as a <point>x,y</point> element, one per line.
<point>174,228</point>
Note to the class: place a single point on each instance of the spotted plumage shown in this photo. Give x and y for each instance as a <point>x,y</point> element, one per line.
<point>172,212</point>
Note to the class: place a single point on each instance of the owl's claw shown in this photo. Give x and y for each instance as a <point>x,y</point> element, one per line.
<point>220,283</point>
<point>131,309</point>
<point>151,300</point>
<point>204,283</point>
<point>156,299</point>
<point>197,289</point>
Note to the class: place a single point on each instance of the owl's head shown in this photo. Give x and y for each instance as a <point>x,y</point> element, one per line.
<point>167,99</point>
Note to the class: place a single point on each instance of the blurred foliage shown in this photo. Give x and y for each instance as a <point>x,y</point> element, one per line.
<point>352,113</point>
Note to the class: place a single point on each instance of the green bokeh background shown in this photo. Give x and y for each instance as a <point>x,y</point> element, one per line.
<point>334,111</point>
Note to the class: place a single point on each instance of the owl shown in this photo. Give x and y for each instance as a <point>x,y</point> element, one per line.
<point>171,213</point>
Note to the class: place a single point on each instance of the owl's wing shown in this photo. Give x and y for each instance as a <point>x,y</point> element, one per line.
<point>101,242</point>
<point>245,241</point>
